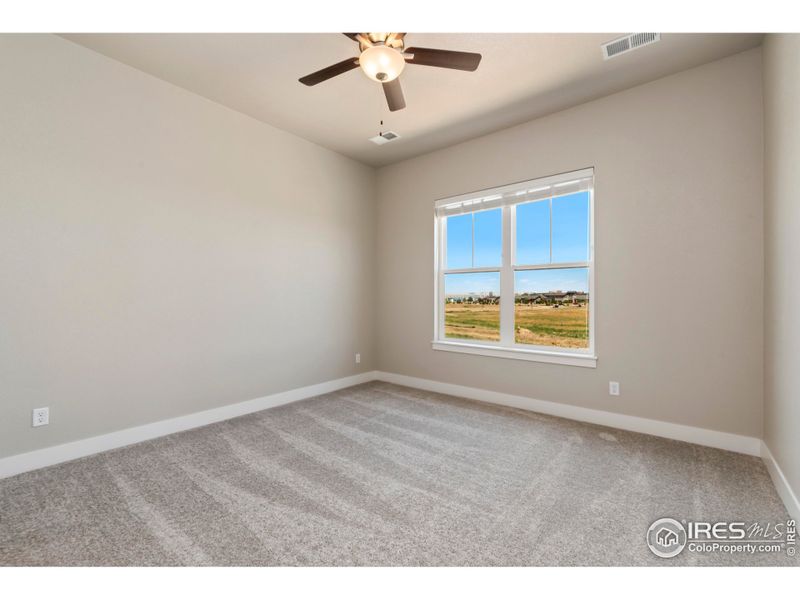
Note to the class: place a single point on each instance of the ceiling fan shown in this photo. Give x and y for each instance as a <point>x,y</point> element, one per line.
<point>383,56</point>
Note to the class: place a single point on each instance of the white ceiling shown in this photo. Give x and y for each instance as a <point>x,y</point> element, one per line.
<point>522,76</point>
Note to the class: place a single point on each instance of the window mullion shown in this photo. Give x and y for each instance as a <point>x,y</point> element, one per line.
<point>473,270</point>
<point>507,281</point>
<point>440,265</point>
<point>550,203</point>
<point>552,266</point>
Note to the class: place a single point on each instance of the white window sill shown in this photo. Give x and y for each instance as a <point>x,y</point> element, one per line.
<point>560,358</point>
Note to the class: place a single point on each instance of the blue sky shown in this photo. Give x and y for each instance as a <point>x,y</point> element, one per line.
<point>551,279</point>
<point>569,244</point>
<point>488,243</point>
<point>465,283</point>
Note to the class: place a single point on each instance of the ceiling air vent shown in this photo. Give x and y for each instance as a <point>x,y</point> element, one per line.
<point>384,138</point>
<point>628,43</point>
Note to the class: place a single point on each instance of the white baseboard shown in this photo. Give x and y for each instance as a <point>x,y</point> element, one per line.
<point>785,490</point>
<point>46,457</point>
<point>53,455</point>
<point>685,433</point>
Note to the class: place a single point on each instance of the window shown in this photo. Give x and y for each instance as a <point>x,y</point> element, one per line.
<point>515,271</point>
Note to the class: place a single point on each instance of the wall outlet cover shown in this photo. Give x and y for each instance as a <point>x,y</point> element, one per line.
<point>41,416</point>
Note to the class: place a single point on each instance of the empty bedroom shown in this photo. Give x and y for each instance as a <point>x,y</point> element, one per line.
<point>509,290</point>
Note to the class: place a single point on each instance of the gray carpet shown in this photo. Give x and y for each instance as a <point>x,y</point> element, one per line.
<point>380,474</point>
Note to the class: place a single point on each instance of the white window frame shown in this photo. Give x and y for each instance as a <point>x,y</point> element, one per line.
<point>507,347</point>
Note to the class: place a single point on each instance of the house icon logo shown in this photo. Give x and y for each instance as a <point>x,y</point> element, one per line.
<point>666,538</point>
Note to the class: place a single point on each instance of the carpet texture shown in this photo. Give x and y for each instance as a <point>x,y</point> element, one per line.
<point>380,474</point>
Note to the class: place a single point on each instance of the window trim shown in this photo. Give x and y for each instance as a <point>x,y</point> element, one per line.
<point>548,354</point>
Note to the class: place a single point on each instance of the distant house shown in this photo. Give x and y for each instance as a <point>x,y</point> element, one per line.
<point>473,299</point>
<point>556,297</point>
<point>559,297</point>
<point>531,298</point>
<point>490,299</point>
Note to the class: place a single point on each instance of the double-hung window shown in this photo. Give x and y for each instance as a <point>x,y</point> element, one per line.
<point>515,271</point>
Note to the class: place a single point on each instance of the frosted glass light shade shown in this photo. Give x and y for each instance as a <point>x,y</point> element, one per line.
<point>381,63</point>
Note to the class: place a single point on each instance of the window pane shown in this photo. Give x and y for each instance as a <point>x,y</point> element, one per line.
<point>533,233</point>
<point>571,228</point>
<point>551,307</point>
<point>459,242</point>
<point>488,238</point>
<point>472,306</point>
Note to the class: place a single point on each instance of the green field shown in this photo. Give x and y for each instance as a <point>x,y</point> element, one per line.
<point>563,326</point>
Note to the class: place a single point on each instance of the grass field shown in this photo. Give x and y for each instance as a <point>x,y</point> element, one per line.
<point>472,321</point>
<point>563,327</point>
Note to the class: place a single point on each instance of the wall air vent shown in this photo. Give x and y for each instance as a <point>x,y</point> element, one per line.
<point>628,43</point>
<point>384,138</point>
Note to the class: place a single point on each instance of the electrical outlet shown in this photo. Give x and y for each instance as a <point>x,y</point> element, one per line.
<point>41,416</point>
<point>358,358</point>
<point>613,388</point>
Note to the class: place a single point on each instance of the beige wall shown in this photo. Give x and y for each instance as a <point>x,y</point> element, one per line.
<point>161,254</point>
<point>782,252</point>
<point>679,247</point>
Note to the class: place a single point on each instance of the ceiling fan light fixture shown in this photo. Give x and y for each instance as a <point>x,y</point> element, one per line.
<point>381,63</point>
<point>383,57</point>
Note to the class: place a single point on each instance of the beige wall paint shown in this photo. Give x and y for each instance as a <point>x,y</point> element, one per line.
<point>679,247</point>
<point>782,252</point>
<point>151,267</point>
<point>161,254</point>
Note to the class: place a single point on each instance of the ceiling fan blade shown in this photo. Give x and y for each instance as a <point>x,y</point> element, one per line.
<point>446,59</point>
<point>328,72</point>
<point>394,95</point>
<point>362,39</point>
